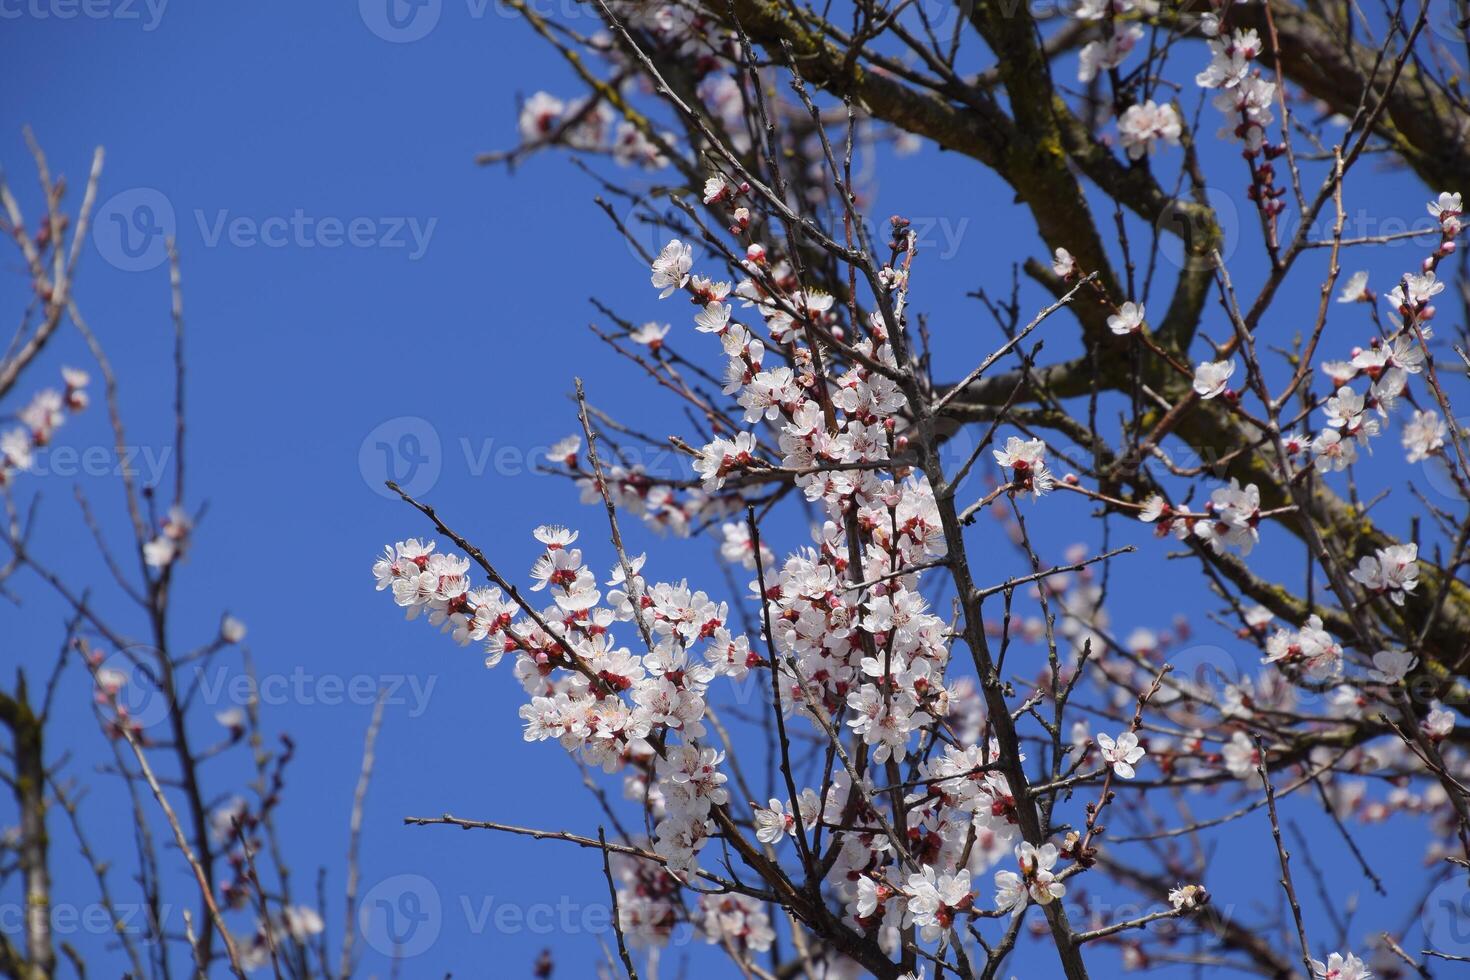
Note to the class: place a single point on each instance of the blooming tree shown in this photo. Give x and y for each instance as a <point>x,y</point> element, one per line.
<point>955,783</point>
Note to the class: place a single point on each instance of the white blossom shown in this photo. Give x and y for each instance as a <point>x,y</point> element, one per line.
<point>1339,967</point>
<point>1121,754</point>
<point>1423,435</point>
<point>1128,319</point>
<point>671,268</point>
<point>1142,126</point>
<point>1393,570</point>
<point>1210,377</point>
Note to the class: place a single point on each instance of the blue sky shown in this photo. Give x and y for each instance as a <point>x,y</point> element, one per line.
<point>352,281</point>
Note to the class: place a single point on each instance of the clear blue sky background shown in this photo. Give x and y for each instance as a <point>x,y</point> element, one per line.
<point>302,358</point>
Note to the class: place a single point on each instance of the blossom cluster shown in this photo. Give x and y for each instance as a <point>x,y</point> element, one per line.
<point>1143,125</point>
<point>1244,96</point>
<point>1231,518</point>
<point>1121,34</point>
<point>614,707</point>
<point>1388,363</point>
<point>811,396</point>
<point>851,638</point>
<point>591,125</point>
<point>39,421</point>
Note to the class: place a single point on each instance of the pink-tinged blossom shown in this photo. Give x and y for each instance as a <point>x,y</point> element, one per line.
<point>1026,459</point>
<point>169,544</point>
<point>738,922</point>
<point>1121,754</point>
<point>1393,571</point>
<point>1331,452</point>
<point>540,116</point>
<point>1144,125</point>
<point>1243,96</point>
<point>777,821</point>
<point>1101,56</point>
<point>717,188</point>
<point>1230,60</point>
<point>936,900</point>
<point>650,335</point>
<point>725,456</point>
<point>39,420</point>
<point>1311,649</point>
<point>1447,205</point>
<point>1414,291</point>
<point>1234,517</point>
<point>1035,882</point>
<point>1339,967</point>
